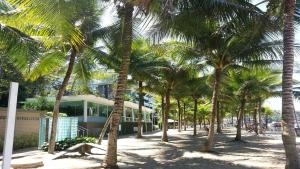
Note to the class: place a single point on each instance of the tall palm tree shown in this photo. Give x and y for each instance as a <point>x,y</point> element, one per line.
<point>249,84</point>
<point>88,28</point>
<point>197,88</point>
<point>143,64</point>
<point>172,74</point>
<point>74,17</point>
<point>126,13</point>
<point>179,93</point>
<point>288,119</point>
<point>125,10</point>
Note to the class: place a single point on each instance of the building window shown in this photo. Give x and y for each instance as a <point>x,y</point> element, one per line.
<point>92,109</point>
<point>102,110</point>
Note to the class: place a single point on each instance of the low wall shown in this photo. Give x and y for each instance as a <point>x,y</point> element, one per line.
<point>27,122</point>
<point>26,128</point>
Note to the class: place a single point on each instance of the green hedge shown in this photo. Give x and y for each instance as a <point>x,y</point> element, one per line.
<point>66,143</point>
<point>40,103</point>
<point>22,141</point>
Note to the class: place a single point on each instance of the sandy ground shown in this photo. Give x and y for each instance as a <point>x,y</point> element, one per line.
<point>182,151</point>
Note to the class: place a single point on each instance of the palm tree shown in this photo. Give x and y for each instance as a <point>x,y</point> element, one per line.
<point>288,119</point>
<point>180,93</point>
<point>143,65</point>
<point>197,88</point>
<point>89,28</point>
<point>87,33</point>
<point>172,74</point>
<point>155,86</point>
<point>125,11</point>
<point>248,85</point>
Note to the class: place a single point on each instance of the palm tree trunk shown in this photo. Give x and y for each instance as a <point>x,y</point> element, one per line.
<point>255,120</point>
<point>179,115</point>
<point>238,136</point>
<point>219,129</point>
<point>141,103</point>
<point>288,120</point>
<point>266,121</point>
<point>210,139</point>
<point>59,95</point>
<point>184,116</point>
<point>260,125</point>
<point>166,116</point>
<point>195,116</point>
<point>163,109</point>
<point>200,121</point>
<point>104,129</point>
<point>245,124</point>
<point>174,123</point>
<point>111,155</point>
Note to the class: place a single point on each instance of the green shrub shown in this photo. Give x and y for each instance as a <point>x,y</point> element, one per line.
<point>40,103</point>
<point>22,141</point>
<point>66,143</point>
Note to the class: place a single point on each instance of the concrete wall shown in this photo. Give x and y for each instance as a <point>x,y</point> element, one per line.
<point>27,122</point>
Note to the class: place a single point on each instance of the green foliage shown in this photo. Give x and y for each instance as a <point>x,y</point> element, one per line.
<point>66,143</point>
<point>40,103</point>
<point>9,73</point>
<point>22,141</point>
<point>267,110</point>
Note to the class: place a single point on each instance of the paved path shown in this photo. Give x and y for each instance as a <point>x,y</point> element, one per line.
<point>182,151</point>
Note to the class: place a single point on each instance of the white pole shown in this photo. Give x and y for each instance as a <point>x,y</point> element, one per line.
<point>85,111</point>
<point>124,114</point>
<point>10,125</point>
<point>133,115</point>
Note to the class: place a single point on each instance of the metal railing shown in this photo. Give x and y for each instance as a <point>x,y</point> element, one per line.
<point>129,119</point>
<point>82,131</point>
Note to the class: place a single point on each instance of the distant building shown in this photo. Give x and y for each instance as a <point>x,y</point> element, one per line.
<point>86,115</point>
<point>105,88</point>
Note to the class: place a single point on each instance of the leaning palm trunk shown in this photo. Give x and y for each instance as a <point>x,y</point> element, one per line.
<point>111,155</point>
<point>238,136</point>
<point>141,103</point>
<point>288,120</point>
<point>104,129</point>
<point>166,116</point>
<point>195,116</point>
<point>59,95</point>
<point>210,139</point>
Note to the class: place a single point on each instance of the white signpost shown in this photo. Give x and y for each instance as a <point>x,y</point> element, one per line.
<point>10,125</point>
